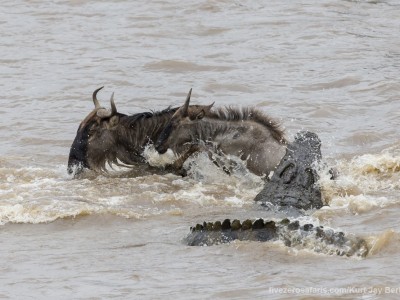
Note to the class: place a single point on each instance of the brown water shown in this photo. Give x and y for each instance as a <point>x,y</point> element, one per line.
<point>327,66</point>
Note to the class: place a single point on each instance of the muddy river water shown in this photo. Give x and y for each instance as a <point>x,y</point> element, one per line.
<point>332,67</point>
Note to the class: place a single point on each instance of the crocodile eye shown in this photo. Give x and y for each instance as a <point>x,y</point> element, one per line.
<point>309,179</point>
<point>288,173</point>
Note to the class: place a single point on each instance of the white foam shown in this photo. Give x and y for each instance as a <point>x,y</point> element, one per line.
<point>35,214</point>
<point>234,201</point>
<point>374,172</point>
<point>158,160</point>
<point>358,204</point>
<point>361,179</point>
<point>201,168</point>
<point>195,195</point>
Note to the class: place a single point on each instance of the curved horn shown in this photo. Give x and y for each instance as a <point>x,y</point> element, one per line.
<point>113,107</point>
<point>186,105</point>
<point>95,101</point>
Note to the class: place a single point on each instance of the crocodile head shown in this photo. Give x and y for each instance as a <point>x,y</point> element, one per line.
<point>294,182</point>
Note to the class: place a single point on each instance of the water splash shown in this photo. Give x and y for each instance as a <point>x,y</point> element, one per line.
<point>365,182</point>
<point>158,160</point>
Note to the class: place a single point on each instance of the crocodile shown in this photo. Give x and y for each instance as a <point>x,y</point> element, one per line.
<point>293,187</point>
<point>291,233</point>
<point>294,182</point>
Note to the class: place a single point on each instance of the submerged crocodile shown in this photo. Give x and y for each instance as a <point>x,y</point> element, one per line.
<point>292,234</point>
<point>293,186</point>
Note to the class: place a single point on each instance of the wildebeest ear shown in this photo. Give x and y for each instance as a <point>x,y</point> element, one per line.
<point>114,120</point>
<point>201,115</point>
<point>204,111</point>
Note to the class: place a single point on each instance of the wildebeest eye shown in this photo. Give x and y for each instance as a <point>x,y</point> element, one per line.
<point>92,130</point>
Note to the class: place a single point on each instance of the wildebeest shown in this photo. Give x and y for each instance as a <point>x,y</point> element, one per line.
<point>246,132</point>
<point>109,137</point>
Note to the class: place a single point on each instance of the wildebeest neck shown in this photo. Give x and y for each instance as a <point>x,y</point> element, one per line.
<point>138,130</point>
<point>243,137</point>
<point>249,114</point>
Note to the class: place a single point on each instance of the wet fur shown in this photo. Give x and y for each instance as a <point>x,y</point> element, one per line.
<point>101,141</point>
<point>235,114</point>
<point>245,132</point>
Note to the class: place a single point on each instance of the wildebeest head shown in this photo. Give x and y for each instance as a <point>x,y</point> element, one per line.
<point>174,134</point>
<point>94,142</point>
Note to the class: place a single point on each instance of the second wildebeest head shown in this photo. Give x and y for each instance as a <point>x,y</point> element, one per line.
<point>245,132</point>
<point>184,115</point>
<point>95,140</point>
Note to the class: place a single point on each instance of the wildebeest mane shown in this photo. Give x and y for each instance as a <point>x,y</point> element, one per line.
<point>131,135</point>
<point>237,114</point>
<point>131,120</point>
<point>141,128</point>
